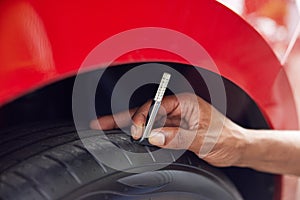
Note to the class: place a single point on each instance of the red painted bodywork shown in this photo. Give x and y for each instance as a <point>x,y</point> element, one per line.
<point>45,41</point>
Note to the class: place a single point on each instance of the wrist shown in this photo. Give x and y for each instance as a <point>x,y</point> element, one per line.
<point>242,143</point>
<point>246,151</point>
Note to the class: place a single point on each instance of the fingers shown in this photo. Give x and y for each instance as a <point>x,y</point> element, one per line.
<point>118,120</point>
<point>168,105</point>
<point>138,115</point>
<point>139,120</point>
<point>169,115</point>
<point>174,138</point>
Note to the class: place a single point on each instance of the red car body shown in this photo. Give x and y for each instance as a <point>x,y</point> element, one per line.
<point>42,42</point>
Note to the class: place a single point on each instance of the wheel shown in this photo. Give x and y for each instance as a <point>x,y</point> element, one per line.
<point>39,161</point>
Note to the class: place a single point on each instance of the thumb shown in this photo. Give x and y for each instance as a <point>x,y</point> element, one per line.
<point>139,120</point>
<point>173,138</point>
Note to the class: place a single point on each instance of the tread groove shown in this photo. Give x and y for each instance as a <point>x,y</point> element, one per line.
<point>172,156</point>
<point>8,184</point>
<point>35,142</point>
<point>37,153</point>
<point>123,152</point>
<point>85,150</point>
<point>150,153</point>
<point>31,133</point>
<point>127,157</point>
<point>189,161</point>
<point>34,184</point>
<point>64,165</point>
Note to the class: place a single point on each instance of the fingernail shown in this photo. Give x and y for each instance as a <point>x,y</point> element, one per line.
<point>94,124</point>
<point>134,132</point>
<point>157,138</point>
<point>140,130</point>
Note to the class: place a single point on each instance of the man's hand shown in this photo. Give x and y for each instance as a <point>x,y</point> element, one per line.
<point>188,122</point>
<point>184,121</point>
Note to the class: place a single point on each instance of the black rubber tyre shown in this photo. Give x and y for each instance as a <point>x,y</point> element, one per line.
<point>42,162</point>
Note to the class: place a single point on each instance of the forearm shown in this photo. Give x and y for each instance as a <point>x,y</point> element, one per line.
<point>272,151</point>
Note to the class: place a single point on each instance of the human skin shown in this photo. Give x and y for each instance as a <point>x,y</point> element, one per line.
<point>188,119</point>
